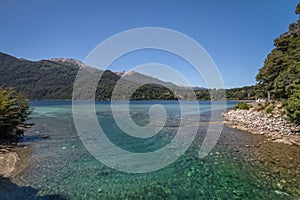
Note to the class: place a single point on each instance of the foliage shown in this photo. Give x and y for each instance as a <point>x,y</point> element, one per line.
<point>293,107</point>
<point>297,11</point>
<point>280,74</point>
<point>244,93</point>
<point>47,79</point>
<point>202,94</point>
<point>152,91</point>
<point>270,109</point>
<point>37,80</point>
<point>241,106</point>
<point>14,111</point>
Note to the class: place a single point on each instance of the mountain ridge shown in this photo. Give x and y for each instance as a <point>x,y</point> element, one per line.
<point>54,78</point>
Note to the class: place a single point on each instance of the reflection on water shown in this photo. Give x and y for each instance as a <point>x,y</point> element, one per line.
<point>62,166</point>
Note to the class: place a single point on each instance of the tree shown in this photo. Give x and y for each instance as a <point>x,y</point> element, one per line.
<point>14,111</point>
<point>281,71</point>
<point>297,11</point>
<point>293,107</point>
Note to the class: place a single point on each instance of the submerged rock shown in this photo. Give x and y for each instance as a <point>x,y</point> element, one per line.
<point>45,136</point>
<point>281,192</point>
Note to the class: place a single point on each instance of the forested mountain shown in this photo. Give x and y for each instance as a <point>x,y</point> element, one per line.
<point>37,80</point>
<point>54,79</point>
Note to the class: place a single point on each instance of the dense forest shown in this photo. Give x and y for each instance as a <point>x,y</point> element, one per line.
<point>280,75</point>
<point>37,80</point>
<point>48,79</point>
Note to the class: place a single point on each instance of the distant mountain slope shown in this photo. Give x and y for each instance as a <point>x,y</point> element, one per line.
<point>37,80</point>
<point>142,78</point>
<point>54,78</point>
<point>70,62</point>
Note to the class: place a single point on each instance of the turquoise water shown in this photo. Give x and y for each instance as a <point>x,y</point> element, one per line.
<point>62,166</point>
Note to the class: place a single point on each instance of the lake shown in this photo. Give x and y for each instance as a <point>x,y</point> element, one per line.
<point>61,164</point>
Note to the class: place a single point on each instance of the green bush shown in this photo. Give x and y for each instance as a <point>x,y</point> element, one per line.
<point>14,111</point>
<point>270,109</point>
<point>267,103</point>
<point>293,107</point>
<point>242,106</point>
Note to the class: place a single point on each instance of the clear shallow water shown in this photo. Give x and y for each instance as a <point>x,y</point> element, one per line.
<point>62,166</point>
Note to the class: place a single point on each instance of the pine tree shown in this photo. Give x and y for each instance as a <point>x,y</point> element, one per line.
<point>14,111</point>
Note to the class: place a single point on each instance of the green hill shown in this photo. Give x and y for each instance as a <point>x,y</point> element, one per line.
<point>37,80</point>
<point>53,79</point>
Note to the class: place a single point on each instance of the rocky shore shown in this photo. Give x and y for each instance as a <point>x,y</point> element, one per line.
<point>272,125</point>
<point>12,160</point>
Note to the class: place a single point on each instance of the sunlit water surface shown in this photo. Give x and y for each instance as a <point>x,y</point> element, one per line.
<point>60,165</point>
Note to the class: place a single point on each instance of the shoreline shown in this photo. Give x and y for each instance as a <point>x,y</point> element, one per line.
<point>13,160</point>
<point>274,127</point>
<point>276,152</point>
<point>279,160</point>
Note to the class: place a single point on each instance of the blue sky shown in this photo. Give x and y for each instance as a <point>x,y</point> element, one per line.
<point>238,34</point>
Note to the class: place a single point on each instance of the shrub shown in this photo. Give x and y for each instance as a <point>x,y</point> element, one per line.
<point>242,106</point>
<point>293,107</point>
<point>266,104</point>
<point>270,109</point>
<point>14,111</point>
